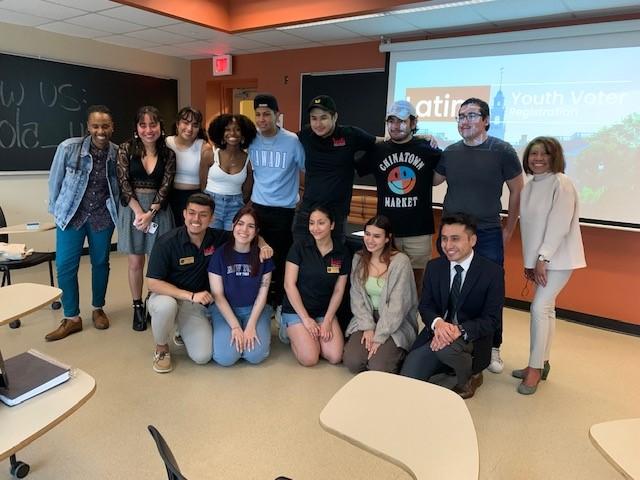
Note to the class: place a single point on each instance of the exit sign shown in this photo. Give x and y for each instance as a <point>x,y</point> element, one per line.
<point>221,65</point>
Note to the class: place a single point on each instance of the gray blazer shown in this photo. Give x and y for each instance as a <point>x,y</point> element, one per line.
<point>398,304</point>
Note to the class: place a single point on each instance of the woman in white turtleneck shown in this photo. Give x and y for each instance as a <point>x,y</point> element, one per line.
<point>551,247</point>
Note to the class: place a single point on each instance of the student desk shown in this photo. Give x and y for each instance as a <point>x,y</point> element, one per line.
<point>619,442</point>
<point>423,428</point>
<point>23,423</point>
<point>22,228</point>
<point>21,299</point>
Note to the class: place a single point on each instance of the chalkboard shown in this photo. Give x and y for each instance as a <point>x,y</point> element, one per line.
<point>361,99</point>
<point>44,102</point>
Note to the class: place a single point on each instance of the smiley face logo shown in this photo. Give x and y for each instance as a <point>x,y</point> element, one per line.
<point>401,180</point>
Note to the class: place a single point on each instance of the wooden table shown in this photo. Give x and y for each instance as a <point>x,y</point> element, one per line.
<point>423,428</point>
<point>619,442</point>
<point>22,228</point>
<point>21,299</point>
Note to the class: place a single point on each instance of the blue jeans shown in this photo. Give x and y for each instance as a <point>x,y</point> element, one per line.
<point>226,208</point>
<point>224,353</point>
<point>69,245</point>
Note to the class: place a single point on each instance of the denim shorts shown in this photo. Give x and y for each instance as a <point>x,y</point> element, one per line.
<point>289,319</point>
<point>226,208</point>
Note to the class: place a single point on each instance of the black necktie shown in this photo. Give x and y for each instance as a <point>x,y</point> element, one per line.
<point>454,294</point>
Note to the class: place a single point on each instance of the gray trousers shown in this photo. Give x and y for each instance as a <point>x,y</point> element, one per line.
<point>193,322</point>
<point>422,363</point>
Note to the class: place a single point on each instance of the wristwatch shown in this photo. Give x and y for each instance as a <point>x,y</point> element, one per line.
<point>463,332</point>
<point>542,258</point>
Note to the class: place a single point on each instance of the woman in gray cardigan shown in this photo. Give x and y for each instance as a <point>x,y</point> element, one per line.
<point>383,302</point>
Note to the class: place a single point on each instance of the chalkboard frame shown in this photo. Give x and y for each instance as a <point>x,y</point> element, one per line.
<point>60,92</point>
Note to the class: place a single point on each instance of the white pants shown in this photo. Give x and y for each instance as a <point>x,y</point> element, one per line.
<point>543,316</point>
<point>193,322</point>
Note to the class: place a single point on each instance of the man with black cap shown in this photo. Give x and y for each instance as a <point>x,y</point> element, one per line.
<point>403,168</point>
<point>277,158</point>
<point>331,152</point>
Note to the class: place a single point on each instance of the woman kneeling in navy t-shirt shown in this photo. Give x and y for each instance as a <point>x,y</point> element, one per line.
<point>239,283</point>
<point>314,281</point>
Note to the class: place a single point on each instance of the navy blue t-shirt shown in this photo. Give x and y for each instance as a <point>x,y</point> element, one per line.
<point>240,288</point>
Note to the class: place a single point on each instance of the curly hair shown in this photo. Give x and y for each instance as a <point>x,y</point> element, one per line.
<point>218,124</point>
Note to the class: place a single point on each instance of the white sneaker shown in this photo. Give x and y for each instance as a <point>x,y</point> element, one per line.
<point>496,365</point>
<point>177,339</point>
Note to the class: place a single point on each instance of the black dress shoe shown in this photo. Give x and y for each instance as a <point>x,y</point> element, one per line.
<point>139,317</point>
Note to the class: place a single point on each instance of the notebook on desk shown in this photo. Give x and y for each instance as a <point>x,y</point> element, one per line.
<point>30,374</point>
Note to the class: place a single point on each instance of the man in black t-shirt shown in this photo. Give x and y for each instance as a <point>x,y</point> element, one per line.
<point>403,168</point>
<point>330,161</point>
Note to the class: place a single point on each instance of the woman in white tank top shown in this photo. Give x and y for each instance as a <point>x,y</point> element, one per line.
<point>229,177</point>
<point>193,155</point>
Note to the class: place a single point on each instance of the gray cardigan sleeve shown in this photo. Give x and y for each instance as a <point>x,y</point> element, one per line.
<point>400,298</point>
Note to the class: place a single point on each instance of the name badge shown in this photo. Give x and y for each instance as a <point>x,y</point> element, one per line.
<point>333,269</point>
<point>187,260</point>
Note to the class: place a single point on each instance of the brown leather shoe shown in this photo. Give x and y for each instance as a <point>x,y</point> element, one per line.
<point>100,319</point>
<point>66,327</point>
<point>470,387</point>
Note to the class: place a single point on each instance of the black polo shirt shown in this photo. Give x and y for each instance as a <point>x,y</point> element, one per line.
<point>317,275</point>
<point>179,262</point>
<point>330,164</point>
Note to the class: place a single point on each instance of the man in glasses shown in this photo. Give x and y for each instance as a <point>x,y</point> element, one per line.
<point>476,169</point>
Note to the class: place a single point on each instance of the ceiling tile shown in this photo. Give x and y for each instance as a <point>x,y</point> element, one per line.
<point>320,33</point>
<point>159,36</point>
<point>194,31</point>
<point>446,17</point>
<point>41,8</point>
<point>88,5</point>
<point>70,29</point>
<point>504,10</point>
<point>22,18</point>
<point>271,37</point>
<point>141,17</point>
<point>106,24</point>
<point>377,26</point>
<point>125,41</point>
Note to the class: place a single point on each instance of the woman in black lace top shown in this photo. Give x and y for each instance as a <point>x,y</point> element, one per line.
<point>145,169</point>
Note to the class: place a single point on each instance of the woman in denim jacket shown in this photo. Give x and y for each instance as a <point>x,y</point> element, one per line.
<point>83,198</point>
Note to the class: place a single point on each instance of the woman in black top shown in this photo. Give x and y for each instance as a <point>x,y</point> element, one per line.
<point>145,169</point>
<point>315,277</point>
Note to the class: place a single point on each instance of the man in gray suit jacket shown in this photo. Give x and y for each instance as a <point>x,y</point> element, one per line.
<point>462,299</point>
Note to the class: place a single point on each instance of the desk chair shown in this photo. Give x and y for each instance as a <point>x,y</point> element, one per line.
<point>36,258</point>
<point>173,471</point>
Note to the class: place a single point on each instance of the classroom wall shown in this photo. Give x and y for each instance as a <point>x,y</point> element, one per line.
<point>607,288</point>
<point>24,197</point>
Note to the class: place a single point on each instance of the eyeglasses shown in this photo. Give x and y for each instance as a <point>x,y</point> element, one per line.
<point>472,117</point>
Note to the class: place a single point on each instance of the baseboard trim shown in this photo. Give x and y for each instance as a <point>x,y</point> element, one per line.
<point>582,318</point>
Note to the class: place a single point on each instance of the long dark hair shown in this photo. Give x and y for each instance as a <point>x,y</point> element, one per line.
<point>137,147</point>
<point>388,251</point>
<point>191,114</point>
<point>254,251</point>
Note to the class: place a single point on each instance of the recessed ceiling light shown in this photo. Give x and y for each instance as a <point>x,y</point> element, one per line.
<point>438,6</point>
<point>333,20</point>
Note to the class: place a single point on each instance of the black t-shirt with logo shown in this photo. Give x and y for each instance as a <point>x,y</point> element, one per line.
<point>404,179</point>
<point>330,165</point>
<point>179,262</point>
<point>317,274</point>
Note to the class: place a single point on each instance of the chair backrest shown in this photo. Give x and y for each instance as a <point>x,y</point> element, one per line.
<point>173,471</point>
<point>3,223</point>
